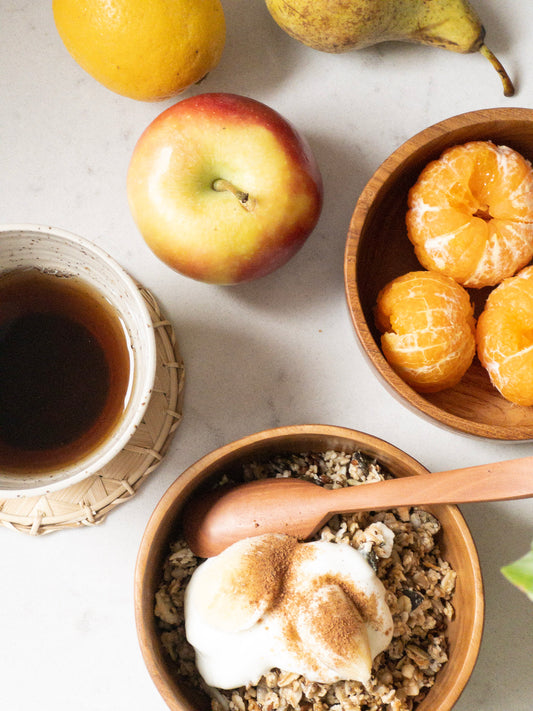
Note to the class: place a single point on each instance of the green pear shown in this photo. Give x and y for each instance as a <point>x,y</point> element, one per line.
<point>341,25</point>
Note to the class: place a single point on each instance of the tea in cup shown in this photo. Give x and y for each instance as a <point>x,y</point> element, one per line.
<point>77,359</point>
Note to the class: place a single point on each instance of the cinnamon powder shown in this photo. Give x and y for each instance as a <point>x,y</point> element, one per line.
<point>336,611</point>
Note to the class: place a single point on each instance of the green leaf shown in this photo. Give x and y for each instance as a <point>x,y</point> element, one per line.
<point>520,573</point>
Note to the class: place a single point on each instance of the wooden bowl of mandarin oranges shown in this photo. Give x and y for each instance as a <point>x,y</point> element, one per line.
<point>438,273</point>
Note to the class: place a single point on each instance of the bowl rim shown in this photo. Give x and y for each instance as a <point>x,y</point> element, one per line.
<point>169,507</point>
<point>399,389</point>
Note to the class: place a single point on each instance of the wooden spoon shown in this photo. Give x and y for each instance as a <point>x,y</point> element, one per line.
<point>214,520</point>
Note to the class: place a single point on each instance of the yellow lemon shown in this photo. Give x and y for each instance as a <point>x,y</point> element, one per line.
<point>145,49</point>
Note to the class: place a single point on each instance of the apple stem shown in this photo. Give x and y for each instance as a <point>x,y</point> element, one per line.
<point>221,184</point>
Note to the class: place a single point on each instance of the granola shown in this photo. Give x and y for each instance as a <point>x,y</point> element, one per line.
<point>402,547</point>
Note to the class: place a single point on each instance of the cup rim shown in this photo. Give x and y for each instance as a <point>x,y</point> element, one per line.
<point>47,482</point>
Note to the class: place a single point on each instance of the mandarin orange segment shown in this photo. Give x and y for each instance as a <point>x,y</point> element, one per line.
<point>427,325</point>
<point>470,214</point>
<point>504,337</point>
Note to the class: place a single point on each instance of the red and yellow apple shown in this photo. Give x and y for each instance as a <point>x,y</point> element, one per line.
<point>223,189</point>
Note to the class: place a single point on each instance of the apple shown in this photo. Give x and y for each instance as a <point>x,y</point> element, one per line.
<point>223,189</point>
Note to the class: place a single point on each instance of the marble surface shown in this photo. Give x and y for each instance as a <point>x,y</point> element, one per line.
<point>277,351</point>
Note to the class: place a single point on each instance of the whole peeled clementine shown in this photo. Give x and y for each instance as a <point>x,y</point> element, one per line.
<point>471,213</point>
<point>504,337</point>
<point>427,325</point>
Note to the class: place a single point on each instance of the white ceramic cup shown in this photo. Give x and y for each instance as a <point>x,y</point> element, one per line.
<point>56,251</point>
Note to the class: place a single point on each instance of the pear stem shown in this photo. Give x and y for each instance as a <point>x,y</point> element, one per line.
<point>221,185</point>
<point>508,88</point>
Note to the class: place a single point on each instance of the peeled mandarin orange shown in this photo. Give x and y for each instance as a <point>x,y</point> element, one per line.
<point>470,214</point>
<point>144,49</point>
<point>427,325</point>
<point>504,337</point>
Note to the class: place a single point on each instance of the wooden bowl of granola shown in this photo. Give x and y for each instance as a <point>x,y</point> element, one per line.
<point>438,607</point>
<point>378,250</point>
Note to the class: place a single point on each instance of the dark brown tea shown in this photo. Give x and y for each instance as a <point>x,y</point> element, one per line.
<point>64,370</point>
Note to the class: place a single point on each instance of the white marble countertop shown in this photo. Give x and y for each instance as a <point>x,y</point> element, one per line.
<point>277,351</point>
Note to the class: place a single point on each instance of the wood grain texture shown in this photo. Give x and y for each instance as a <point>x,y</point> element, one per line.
<point>378,250</point>
<point>464,631</point>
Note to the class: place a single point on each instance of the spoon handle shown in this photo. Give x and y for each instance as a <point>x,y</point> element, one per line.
<point>512,479</point>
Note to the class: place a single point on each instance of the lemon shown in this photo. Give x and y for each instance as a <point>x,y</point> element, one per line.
<point>145,49</point>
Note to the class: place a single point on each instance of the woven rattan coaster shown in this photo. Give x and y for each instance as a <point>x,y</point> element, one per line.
<point>88,502</point>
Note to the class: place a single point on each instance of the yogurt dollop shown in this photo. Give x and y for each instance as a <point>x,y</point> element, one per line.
<point>315,609</point>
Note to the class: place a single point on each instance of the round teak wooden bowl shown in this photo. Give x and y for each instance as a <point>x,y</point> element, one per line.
<point>464,631</point>
<point>378,250</point>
